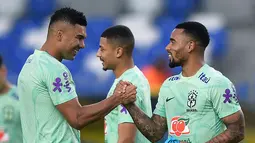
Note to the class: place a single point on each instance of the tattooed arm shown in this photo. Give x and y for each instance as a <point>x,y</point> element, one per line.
<point>152,128</point>
<point>235,129</point>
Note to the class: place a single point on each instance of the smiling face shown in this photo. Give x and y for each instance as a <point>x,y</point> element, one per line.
<point>178,48</point>
<point>108,54</point>
<point>72,41</point>
<point>3,74</point>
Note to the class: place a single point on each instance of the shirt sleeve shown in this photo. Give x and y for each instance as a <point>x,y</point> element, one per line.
<point>224,98</point>
<point>160,106</point>
<point>60,85</point>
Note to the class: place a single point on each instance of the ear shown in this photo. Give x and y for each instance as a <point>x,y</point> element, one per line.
<point>191,45</point>
<point>119,52</point>
<point>59,35</point>
<point>3,69</point>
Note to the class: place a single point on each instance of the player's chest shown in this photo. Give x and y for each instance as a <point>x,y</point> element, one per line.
<point>186,101</point>
<point>9,113</point>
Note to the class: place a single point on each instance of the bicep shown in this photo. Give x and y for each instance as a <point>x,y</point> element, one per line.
<point>126,132</point>
<point>235,121</point>
<point>235,126</point>
<point>70,111</point>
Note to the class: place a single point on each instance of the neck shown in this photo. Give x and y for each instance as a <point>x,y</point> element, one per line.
<point>122,67</point>
<point>192,66</point>
<point>49,48</point>
<point>5,89</point>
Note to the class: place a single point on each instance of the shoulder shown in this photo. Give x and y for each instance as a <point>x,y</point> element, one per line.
<point>219,79</point>
<point>212,77</point>
<point>14,93</point>
<point>135,76</point>
<point>171,80</point>
<point>50,65</point>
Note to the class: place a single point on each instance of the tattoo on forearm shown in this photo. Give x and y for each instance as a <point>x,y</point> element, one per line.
<point>235,130</point>
<point>152,128</point>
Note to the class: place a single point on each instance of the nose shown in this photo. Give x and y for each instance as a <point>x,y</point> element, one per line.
<point>168,47</point>
<point>82,44</point>
<point>98,53</point>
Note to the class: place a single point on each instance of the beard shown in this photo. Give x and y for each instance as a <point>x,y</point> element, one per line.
<point>105,69</point>
<point>173,63</point>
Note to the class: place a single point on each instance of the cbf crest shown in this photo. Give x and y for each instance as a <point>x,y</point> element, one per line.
<point>8,113</point>
<point>192,98</point>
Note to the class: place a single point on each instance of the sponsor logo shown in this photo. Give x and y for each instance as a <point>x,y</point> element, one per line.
<point>174,78</point>
<point>105,127</point>
<point>67,83</point>
<point>58,83</point>
<point>227,95</point>
<point>4,137</point>
<point>15,96</point>
<point>123,110</point>
<point>29,60</point>
<point>204,78</point>
<point>168,99</point>
<point>179,126</point>
<point>172,140</point>
<point>235,97</point>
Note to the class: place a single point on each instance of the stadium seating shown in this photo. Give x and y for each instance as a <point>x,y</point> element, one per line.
<point>86,69</point>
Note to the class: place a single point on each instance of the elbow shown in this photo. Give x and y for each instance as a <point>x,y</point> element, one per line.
<point>241,136</point>
<point>126,140</point>
<point>75,125</point>
<point>78,127</point>
<point>76,122</point>
<point>157,137</point>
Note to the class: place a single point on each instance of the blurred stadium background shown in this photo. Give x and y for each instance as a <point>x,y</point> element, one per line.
<point>23,28</point>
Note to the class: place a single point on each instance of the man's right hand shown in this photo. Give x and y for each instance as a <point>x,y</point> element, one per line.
<point>126,92</point>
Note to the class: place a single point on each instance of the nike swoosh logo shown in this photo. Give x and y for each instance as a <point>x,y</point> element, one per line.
<point>168,99</point>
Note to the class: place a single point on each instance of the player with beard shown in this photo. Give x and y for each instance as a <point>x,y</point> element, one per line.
<point>115,52</point>
<point>198,105</point>
<point>50,110</point>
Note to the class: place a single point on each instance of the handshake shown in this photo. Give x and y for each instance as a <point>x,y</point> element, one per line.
<point>125,92</point>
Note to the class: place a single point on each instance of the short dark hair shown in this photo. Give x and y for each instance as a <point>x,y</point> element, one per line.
<point>122,36</point>
<point>69,15</point>
<point>197,31</point>
<point>1,61</point>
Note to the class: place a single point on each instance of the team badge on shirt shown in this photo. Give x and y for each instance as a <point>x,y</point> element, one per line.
<point>8,113</point>
<point>192,101</point>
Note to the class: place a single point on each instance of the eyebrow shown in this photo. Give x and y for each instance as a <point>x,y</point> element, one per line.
<point>172,39</point>
<point>101,46</point>
<point>81,36</point>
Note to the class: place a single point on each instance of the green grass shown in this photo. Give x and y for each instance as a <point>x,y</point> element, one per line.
<point>94,133</point>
